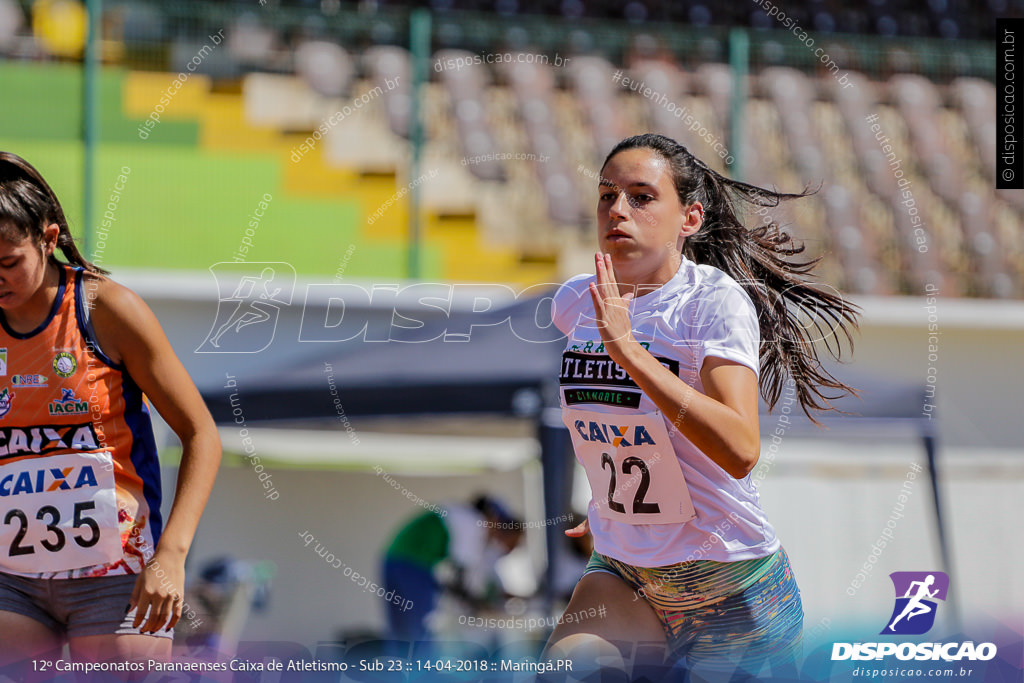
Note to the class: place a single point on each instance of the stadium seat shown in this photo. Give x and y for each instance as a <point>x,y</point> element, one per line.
<point>992,271</point>
<point>389,68</point>
<point>284,102</point>
<point>714,81</point>
<point>251,43</point>
<point>11,21</point>
<point>857,251</point>
<point>976,100</point>
<point>794,97</point>
<point>666,78</point>
<point>533,85</point>
<point>325,66</point>
<point>918,102</point>
<point>218,63</point>
<point>466,87</point>
<point>592,82</point>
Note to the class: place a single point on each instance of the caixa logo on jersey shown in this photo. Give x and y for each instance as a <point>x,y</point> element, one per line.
<point>42,439</point>
<point>46,479</point>
<point>613,434</point>
<point>918,595</point>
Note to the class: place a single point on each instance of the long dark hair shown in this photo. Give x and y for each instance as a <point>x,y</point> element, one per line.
<point>28,205</point>
<point>790,309</point>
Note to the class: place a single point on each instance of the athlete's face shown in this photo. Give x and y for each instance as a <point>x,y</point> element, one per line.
<point>23,268</point>
<point>641,221</point>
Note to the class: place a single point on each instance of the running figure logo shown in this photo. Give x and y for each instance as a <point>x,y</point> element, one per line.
<point>250,296</point>
<point>916,593</point>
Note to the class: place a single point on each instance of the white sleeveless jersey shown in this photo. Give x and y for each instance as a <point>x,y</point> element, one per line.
<point>657,499</point>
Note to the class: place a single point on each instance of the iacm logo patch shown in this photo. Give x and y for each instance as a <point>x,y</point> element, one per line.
<point>69,404</point>
<point>917,594</point>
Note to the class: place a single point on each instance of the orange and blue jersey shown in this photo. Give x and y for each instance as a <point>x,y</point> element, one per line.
<point>79,474</point>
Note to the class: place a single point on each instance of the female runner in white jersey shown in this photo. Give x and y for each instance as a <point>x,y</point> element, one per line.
<point>86,557</point>
<point>659,390</point>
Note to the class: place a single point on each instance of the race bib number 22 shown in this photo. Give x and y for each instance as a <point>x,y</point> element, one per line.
<point>631,466</point>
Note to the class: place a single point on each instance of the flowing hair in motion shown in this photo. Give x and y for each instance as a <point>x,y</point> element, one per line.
<point>792,312</point>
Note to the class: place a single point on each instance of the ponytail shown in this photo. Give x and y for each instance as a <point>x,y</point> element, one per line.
<point>792,312</point>
<point>28,205</point>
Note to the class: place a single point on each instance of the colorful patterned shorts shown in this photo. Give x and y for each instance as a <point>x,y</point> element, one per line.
<point>722,616</point>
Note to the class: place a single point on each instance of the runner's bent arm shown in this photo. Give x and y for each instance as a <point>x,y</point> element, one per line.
<point>130,334</point>
<point>722,423</point>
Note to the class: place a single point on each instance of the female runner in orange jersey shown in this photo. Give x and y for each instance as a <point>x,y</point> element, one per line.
<point>85,555</point>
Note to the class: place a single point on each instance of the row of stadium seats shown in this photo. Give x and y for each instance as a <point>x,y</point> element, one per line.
<point>907,196</point>
<point>908,206</point>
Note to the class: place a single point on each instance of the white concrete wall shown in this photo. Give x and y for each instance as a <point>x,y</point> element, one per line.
<point>978,366</point>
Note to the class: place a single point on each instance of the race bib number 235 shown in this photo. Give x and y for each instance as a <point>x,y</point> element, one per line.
<point>59,513</point>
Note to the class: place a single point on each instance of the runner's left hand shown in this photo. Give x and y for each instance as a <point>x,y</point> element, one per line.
<point>159,591</point>
<point>581,529</point>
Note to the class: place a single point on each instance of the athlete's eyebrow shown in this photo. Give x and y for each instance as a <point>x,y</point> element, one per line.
<point>637,184</point>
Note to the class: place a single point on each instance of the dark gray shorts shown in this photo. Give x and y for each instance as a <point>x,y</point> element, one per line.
<point>74,607</point>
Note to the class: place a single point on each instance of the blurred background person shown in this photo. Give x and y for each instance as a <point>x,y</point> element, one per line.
<point>455,550</point>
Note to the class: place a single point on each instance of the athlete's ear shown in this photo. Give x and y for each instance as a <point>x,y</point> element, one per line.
<point>693,218</point>
<point>50,234</point>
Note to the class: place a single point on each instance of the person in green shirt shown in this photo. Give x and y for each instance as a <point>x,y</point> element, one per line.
<point>471,538</point>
